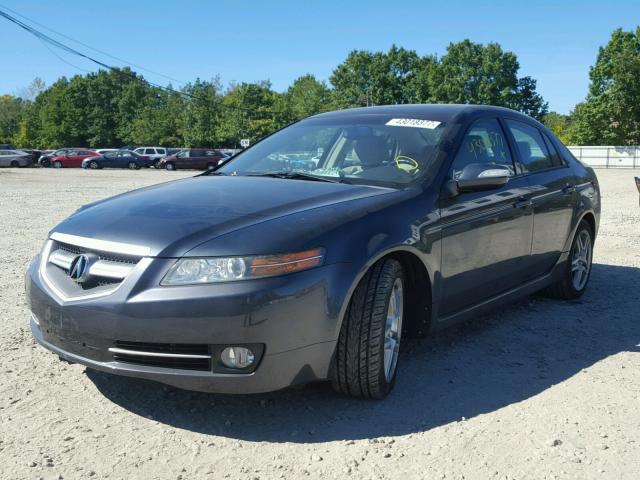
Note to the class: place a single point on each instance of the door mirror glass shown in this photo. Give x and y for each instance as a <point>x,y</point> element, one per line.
<point>483,176</point>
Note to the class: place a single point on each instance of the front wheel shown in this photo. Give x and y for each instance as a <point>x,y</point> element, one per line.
<point>133,166</point>
<point>93,165</point>
<point>578,269</point>
<point>366,356</point>
<point>170,166</point>
<point>57,164</point>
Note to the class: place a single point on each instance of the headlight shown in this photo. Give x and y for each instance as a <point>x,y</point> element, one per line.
<point>188,271</point>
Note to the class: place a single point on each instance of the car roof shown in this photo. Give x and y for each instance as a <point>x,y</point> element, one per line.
<point>442,112</point>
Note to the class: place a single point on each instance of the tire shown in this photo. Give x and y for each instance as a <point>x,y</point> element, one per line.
<point>93,165</point>
<point>170,166</point>
<point>360,367</point>
<point>575,276</point>
<point>45,163</point>
<point>57,164</point>
<point>15,164</point>
<point>133,166</point>
<point>156,164</point>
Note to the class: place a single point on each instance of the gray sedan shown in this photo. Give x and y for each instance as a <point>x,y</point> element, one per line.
<point>14,158</point>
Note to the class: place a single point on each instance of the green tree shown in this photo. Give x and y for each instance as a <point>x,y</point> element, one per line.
<point>478,74</point>
<point>610,115</point>
<point>12,112</point>
<point>378,78</point>
<point>558,124</point>
<point>307,96</point>
<point>251,110</point>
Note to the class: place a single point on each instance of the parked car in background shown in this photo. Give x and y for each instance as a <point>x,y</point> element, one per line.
<point>45,158</point>
<point>71,158</point>
<point>102,151</point>
<point>117,159</point>
<point>33,154</point>
<point>154,153</point>
<point>173,151</point>
<point>7,146</point>
<point>14,158</point>
<point>192,158</point>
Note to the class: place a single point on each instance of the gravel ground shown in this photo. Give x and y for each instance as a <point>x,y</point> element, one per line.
<point>542,389</point>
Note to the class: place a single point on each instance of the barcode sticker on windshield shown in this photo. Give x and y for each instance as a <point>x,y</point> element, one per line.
<point>413,123</point>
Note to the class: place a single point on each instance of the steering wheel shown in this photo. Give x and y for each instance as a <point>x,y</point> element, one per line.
<point>406,164</point>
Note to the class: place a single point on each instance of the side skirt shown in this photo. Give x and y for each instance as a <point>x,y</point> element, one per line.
<point>503,298</point>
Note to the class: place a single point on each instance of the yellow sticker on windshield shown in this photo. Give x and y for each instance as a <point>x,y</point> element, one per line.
<point>413,123</point>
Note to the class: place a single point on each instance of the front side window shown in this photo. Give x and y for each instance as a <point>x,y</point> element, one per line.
<point>534,154</point>
<point>485,144</point>
<point>368,149</point>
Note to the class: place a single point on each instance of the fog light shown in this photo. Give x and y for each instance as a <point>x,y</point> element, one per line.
<point>237,357</point>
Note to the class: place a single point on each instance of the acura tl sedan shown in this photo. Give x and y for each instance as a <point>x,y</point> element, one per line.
<point>266,273</point>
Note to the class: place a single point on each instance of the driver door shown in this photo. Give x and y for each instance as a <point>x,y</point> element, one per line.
<point>486,235</point>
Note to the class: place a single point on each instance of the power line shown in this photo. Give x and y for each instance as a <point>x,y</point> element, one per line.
<point>51,41</point>
<point>93,48</point>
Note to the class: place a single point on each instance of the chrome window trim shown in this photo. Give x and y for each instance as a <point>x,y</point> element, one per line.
<point>102,245</point>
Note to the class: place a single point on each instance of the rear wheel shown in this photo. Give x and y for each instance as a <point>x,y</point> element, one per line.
<point>578,269</point>
<point>170,166</point>
<point>133,166</point>
<point>366,356</point>
<point>57,164</point>
<point>15,163</point>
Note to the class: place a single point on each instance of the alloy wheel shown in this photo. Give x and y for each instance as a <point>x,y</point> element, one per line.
<point>581,260</point>
<point>393,329</point>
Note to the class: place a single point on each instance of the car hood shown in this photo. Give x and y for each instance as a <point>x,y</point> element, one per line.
<point>173,218</point>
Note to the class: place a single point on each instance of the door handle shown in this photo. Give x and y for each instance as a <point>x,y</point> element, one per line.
<point>569,188</point>
<point>523,202</point>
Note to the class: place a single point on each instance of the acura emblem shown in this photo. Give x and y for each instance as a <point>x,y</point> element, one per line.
<point>79,268</point>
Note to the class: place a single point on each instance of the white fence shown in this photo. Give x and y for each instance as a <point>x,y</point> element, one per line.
<point>608,156</point>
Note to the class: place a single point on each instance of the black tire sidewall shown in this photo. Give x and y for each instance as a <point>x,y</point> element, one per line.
<point>382,380</point>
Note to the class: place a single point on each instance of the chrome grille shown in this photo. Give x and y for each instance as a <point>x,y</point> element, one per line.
<point>106,269</point>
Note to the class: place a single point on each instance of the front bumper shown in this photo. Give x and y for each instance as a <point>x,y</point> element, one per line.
<point>292,316</point>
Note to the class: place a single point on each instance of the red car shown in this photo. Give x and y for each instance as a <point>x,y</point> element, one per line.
<point>71,157</point>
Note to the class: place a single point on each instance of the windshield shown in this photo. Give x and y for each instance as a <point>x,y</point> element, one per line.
<point>371,149</point>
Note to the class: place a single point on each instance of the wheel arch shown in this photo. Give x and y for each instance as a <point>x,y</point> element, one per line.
<point>419,285</point>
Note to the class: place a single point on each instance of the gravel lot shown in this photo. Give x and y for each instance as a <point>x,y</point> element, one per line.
<point>542,389</point>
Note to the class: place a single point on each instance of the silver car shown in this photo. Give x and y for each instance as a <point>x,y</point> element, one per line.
<point>14,158</point>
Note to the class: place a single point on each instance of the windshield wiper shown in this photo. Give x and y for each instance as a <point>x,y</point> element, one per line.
<point>298,176</point>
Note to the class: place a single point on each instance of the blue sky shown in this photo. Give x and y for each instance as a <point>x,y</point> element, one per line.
<point>556,41</point>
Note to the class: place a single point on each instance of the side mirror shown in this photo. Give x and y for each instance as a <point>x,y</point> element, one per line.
<point>477,177</point>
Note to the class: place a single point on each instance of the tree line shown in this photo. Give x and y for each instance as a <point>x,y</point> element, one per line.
<point>119,107</point>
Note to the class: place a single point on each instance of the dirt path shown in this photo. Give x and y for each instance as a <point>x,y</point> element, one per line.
<point>542,389</point>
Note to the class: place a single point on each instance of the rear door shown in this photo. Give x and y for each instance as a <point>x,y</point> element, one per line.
<point>554,193</point>
<point>486,235</point>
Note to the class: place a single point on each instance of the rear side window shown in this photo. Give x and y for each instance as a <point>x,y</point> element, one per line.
<point>533,150</point>
<point>161,151</point>
<point>483,143</point>
<point>556,159</point>
<point>149,151</point>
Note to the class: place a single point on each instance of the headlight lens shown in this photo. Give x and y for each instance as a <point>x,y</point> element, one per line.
<point>189,271</point>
